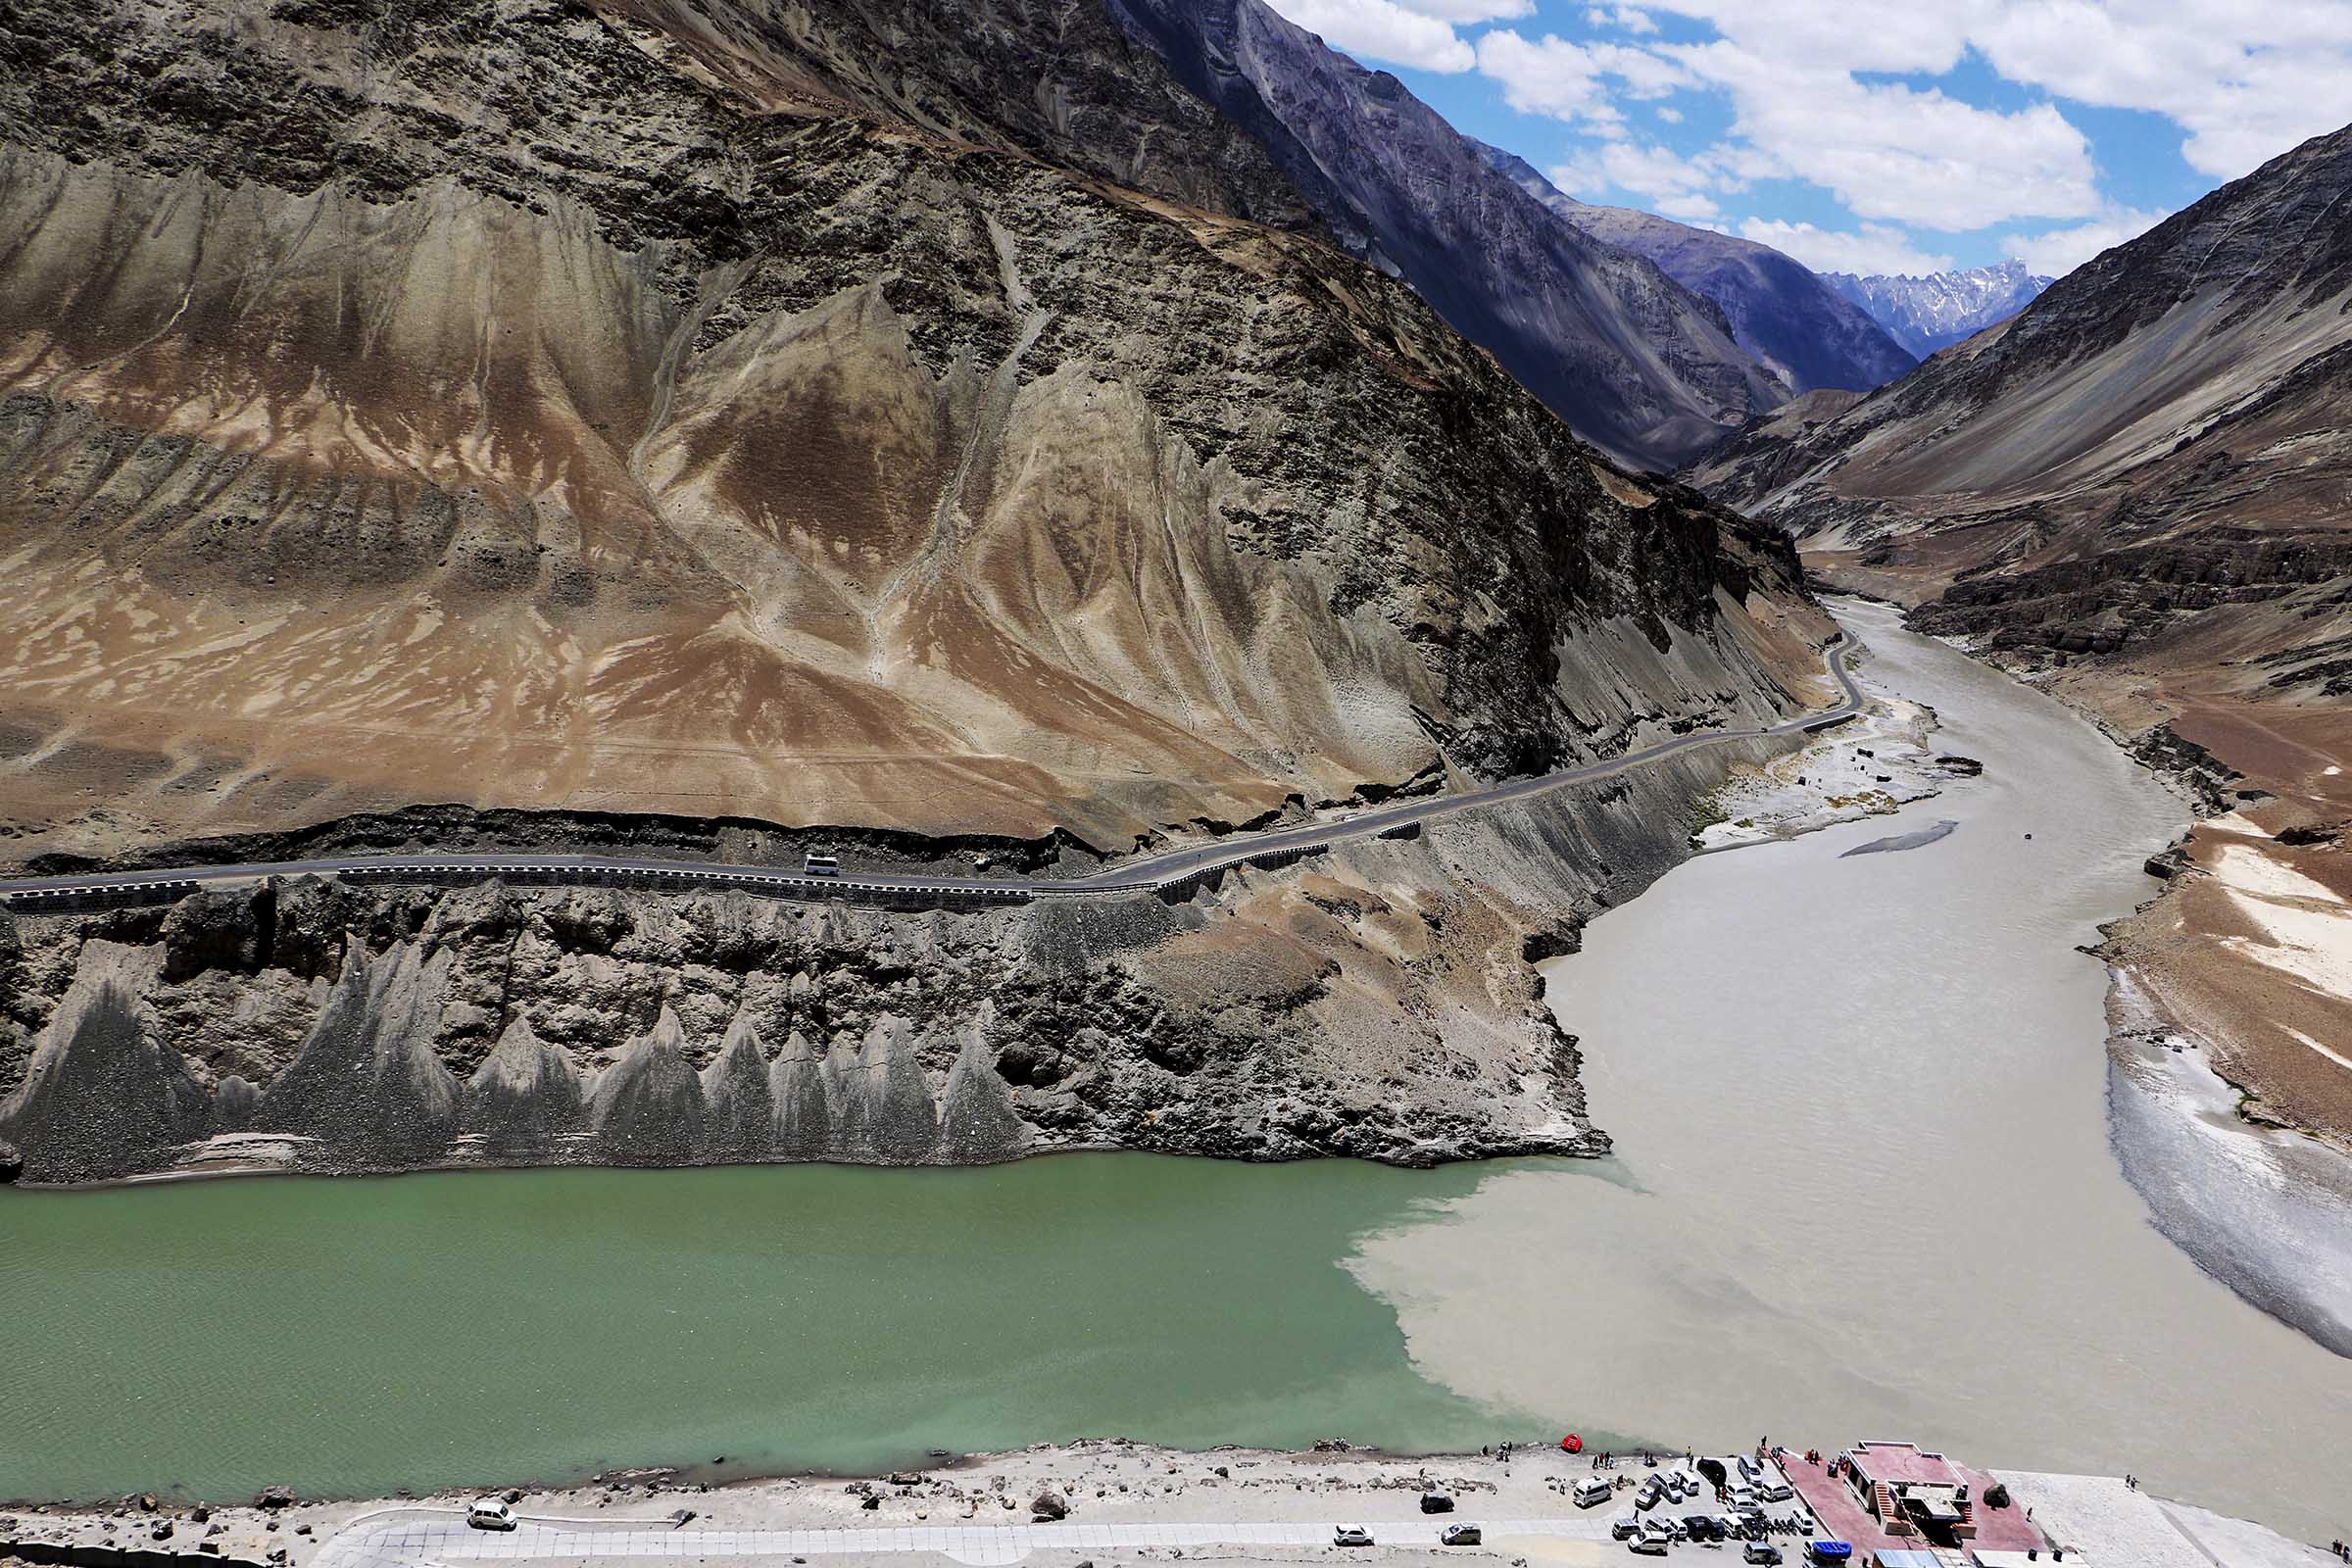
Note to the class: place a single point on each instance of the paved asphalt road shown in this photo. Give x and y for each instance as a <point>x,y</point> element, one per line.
<point>1142,874</point>
<point>418,1536</point>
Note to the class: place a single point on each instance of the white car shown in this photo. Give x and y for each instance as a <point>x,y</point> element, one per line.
<point>1352,1536</point>
<point>490,1513</point>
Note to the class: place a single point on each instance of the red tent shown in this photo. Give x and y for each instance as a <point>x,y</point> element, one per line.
<point>1573,1443</point>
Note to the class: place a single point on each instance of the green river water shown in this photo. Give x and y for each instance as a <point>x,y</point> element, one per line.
<point>356,1336</point>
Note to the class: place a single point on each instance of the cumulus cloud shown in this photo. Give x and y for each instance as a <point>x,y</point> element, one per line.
<point>1626,16</point>
<point>2246,81</point>
<point>1675,185</point>
<point>1402,33</point>
<point>2060,251</point>
<point>1895,152</point>
<point>1575,81</point>
<point>1870,250</point>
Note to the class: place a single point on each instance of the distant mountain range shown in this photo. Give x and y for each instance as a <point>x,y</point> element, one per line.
<point>1935,312</point>
<point>1808,333</point>
<point>2139,480</point>
<point>1636,362</point>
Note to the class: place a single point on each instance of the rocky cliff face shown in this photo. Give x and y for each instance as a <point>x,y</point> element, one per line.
<point>735,451</point>
<point>2140,488</point>
<point>1376,1003</point>
<point>929,423</point>
<point>1638,365</point>
<point>1806,332</point>
<point>1928,313</point>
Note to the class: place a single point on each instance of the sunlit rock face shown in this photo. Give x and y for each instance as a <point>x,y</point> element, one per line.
<point>671,427</point>
<point>521,407</point>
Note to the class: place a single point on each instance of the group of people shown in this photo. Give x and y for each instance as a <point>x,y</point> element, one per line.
<point>2340,1549</point>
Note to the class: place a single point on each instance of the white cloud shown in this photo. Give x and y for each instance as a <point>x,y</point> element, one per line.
<point>1675,185</point>
<point>1895,152</point>
<point>1394,31</point>
<point>1872,249</point>
<point>1459,11</point>
<point>1567,80</point>
<point>1691,207</point>
<point>1670,115</point>
<point>1578,175</point>
<point>1626,16</point>
<point>2245,81</point>
<point>2061,250</point>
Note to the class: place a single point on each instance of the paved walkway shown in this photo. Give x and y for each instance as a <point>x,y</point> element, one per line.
<point>425,1536</point>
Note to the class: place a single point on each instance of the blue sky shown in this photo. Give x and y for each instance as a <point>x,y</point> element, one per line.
<point>1878,137</point>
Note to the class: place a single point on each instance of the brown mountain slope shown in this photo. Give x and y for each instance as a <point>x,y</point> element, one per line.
<point>2141,487</point>
<point>525,405</point>
<point>514,420</point>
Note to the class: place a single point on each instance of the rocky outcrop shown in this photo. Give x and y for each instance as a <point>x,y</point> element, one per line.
<point>100,1099</point>
<point>524,1098</point>
<point>647,1108</point>
<point>739,1109</point>
<point>801,1101</point>
<point>1374,1002</point>
<point>977,1120</point>
<point>1795,324</point>
<point>365,1082</point>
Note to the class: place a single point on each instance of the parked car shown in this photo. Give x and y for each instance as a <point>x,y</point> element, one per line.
<point>1460,1536</point>
<point>1701,1527</point>
<point>1436,1503</point>
<point>1625,1529</point>
<point>1590,1494</point>
<point>1646,1545</point>
<point>1352,1536</point>
<point>1756,1551</point>
<point>1774,1490</point>
<point>1743,1497</point>
<point>490,1513</point>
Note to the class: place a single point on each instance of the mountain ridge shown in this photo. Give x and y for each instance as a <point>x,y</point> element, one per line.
<point>1930,312</point>
<point>1641,365</point>
<point>1778,309</point>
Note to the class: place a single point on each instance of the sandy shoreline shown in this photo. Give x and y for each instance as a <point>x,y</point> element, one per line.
<point>1117,1480</point>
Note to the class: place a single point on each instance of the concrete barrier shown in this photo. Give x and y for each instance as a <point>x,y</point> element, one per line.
<point>81,899</point>
<point>80,1556</point>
